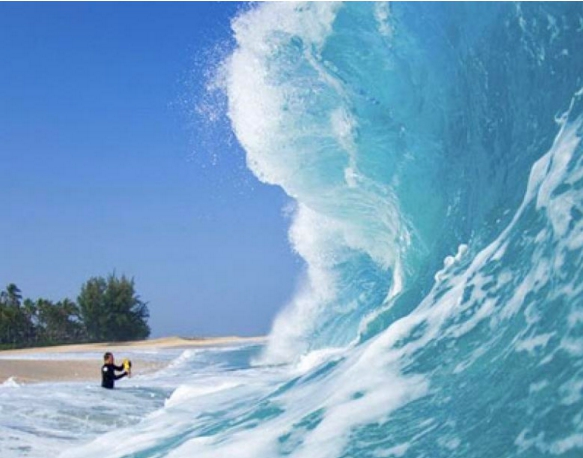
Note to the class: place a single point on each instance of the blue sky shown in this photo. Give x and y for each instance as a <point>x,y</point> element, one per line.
<point>105,166</point>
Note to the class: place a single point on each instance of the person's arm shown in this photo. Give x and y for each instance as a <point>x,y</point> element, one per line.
<point>118,368</point>
<point>122,375</point>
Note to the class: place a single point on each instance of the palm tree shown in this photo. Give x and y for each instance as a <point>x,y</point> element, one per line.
<point>13,295</point>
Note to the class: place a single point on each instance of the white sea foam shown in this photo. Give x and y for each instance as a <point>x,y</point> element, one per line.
<point>449,261</point>
<point>256,114</point>
<point>188,392</point>
<point>382,14</point>
<point>10,382</point>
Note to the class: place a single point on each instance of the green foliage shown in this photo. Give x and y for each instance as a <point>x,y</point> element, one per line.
<point>112,311</point>
<point>60,322</point>
<point>107,310</point>
<point>14,326</point>
<point>92,305</point>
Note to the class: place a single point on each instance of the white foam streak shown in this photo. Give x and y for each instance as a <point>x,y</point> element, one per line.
<point>187,392</point>
<point>382,14</point>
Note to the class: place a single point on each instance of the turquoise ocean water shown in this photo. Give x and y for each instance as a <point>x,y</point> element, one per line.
<point>433,154</point>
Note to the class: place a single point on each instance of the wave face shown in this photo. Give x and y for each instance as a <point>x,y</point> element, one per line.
<point>402,132</point>
<point>434,154</point>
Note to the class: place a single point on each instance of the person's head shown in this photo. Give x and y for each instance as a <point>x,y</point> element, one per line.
<point>108,358</point>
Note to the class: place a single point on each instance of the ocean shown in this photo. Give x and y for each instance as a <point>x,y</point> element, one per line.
<point>433,154</point>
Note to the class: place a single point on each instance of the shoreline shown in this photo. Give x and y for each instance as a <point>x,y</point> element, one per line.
<point>21,367</point>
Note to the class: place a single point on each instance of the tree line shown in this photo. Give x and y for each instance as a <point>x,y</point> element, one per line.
<point>107,309</point>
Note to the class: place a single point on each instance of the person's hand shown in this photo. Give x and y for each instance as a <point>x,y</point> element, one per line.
<point>127,365</point>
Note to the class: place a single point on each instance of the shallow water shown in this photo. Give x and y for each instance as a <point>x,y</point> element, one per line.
<point>43,419</point>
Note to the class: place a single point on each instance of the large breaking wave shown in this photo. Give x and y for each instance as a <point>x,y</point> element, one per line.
<point>402,132</point>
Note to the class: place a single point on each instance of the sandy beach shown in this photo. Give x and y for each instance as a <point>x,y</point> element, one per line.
<point>21,366</point>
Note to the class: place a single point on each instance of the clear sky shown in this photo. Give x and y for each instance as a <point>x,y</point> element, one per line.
<point>104,166</point>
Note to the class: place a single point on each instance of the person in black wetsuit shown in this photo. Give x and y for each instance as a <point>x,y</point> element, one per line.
<point>108,369</point>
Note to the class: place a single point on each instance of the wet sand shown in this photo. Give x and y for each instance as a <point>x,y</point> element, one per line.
<point>33,371</point>
<point>27,369</point>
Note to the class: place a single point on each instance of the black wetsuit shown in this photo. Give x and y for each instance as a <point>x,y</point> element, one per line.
<point>108,375</point>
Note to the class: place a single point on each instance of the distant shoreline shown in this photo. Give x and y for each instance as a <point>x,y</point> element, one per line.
<point>30,370</point>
